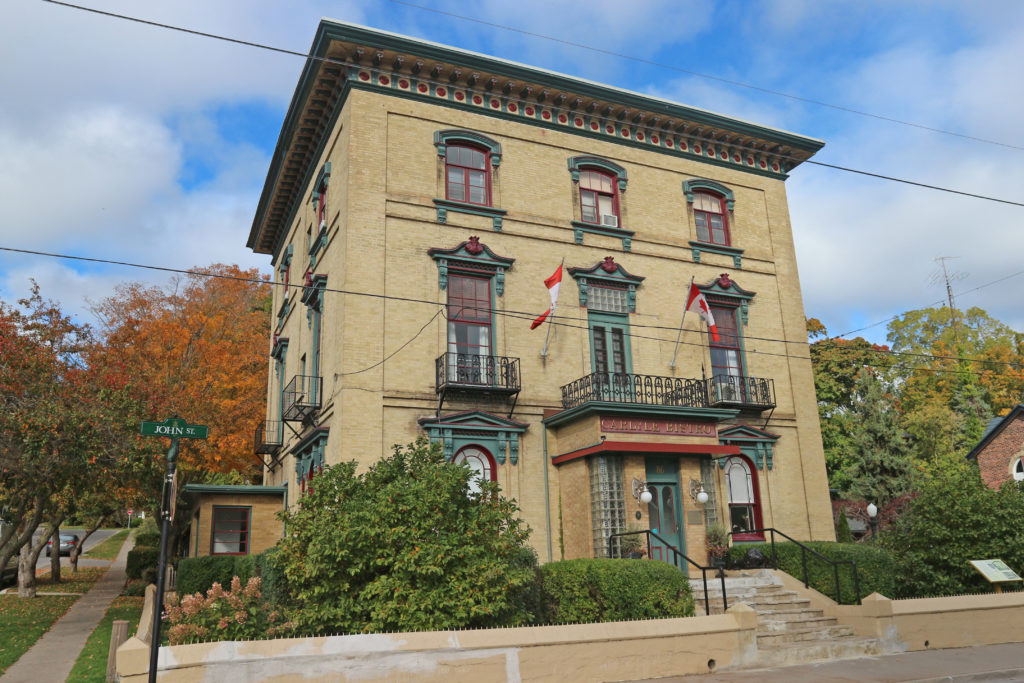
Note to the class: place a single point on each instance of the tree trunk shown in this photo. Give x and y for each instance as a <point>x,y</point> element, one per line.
<point>20,531</point>
<point>55,556</point>
<point>77,550</point>
<point>27,561</point>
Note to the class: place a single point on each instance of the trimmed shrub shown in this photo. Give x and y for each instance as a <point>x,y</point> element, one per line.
<point>149,539</point>
<point>843,533</point>
<point>198,574</point>
<point>875,566</point>
<point>141,558</point>
<point>592,590</point>
<point>272,579</point>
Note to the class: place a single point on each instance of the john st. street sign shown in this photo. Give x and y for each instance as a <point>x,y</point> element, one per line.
<point>174,428</point>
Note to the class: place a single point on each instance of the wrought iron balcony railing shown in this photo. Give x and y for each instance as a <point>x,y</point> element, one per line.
<point>623,387</point>
<point>742,392</point>
<point>269,436</point>
<point>301,397</point>
<point>468,371</point>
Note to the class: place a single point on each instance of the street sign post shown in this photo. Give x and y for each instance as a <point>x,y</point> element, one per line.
<point>996,572</point>
<point>174,428</point>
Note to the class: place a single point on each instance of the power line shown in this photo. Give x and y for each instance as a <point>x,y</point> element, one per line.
<point>341,62</point>
<point>710,77</point>
<point>561,321</point>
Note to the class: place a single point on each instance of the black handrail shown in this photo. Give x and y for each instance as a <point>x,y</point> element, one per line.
<point>675,563</point>
<point>803,562</point>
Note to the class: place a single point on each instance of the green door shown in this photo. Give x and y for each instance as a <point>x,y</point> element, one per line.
<point>665,511</point>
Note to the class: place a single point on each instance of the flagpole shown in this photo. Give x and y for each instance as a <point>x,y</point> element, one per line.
<point>675,349</point>
<point>554,305</point>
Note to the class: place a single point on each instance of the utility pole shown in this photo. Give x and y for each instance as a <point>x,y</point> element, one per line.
<point>947,278</point>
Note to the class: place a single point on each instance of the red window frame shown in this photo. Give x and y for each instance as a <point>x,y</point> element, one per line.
<point>591,193</point>
<point>458,164</point>
<point>705,220</point>
<point>470,329</point>
<point>754,507</point>
<point>243,534</point>
<point>728,341</point>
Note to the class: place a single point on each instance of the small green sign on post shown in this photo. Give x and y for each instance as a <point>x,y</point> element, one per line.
<point>996,572</point>
<point>176,428</point>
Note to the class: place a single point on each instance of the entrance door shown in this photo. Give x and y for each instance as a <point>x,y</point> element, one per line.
<point>665,511</point>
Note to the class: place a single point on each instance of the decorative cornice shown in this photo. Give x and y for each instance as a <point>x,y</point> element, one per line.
<point>610,407</point>
<point>401,66</point>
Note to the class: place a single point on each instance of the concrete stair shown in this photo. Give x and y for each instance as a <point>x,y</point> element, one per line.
<point>789,630</point>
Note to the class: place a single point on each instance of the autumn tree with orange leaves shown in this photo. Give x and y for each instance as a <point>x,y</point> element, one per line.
<point>195,348</point>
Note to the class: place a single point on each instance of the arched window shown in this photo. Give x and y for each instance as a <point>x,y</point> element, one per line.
<point>744,509</point>
<point>479,461</point>
<point>1018,470</point>
<point>712,220</point>
<point>467,174</point>
<point>599,198</point>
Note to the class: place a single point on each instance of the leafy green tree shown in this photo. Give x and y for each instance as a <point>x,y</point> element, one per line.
<point>837,363</point>
<point>404,546</point>
<point>952,520</point>
<point>880,467</point>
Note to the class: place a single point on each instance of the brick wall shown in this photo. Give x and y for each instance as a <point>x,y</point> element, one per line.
<point>997,459</point>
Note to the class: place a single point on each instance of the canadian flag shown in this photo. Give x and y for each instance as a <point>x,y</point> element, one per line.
<point>552,283</point>
<point>698,304</point>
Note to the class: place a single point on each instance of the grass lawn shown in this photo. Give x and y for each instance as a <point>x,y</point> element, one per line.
<point>110,547</point>
<point>23,621</point>
<point>92,662</point>
<point>70,583</point>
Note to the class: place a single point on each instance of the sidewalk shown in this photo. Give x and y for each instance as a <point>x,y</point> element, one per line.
<point>51,658</point>
<point>1004,662</point>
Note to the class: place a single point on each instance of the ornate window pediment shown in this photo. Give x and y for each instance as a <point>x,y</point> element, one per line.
<point>756,444</point>
<point>473,257</point>
<point>606,273</point>
<point>497,434</point>
<point>725,292</point>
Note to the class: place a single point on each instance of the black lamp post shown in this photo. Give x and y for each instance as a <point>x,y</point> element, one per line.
<point>873,519</point>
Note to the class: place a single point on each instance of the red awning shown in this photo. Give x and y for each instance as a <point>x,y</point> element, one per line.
<point>642,447</point>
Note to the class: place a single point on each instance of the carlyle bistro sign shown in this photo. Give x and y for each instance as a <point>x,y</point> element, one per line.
<point>658,426</point>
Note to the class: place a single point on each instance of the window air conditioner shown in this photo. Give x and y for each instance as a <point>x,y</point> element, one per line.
<point>609,220</point>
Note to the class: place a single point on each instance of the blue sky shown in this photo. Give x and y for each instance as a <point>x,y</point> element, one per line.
<point>136,143</point>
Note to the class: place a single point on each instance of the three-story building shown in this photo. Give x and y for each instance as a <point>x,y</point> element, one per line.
<point>419,197</point>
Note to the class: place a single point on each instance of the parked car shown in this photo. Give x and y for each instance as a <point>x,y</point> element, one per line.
<point>9,574</point>
<point>67,544</point>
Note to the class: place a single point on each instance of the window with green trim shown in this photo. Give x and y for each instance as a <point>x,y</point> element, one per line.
<point>229,531</point>
<point>711,218</point>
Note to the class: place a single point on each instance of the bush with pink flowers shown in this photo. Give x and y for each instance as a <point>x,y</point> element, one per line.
<point>236,614</point>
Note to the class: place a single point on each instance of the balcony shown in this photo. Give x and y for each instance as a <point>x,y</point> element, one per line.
<point>301,398</point>
<point>752,393</point>
<point>269,436</point>
<point>622,387</point>
<point>476,374</point>
<point>467,371</point>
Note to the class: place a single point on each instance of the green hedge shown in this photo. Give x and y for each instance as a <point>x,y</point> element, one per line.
<point>273,585</point>
<point>580,591</point>
<point>198,574</point>
<point>141,558</point>
<point>875,566</point>
<point>148,538</point>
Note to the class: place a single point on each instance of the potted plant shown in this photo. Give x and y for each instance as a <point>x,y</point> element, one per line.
<point>716,541</point>
<point>632,546</point>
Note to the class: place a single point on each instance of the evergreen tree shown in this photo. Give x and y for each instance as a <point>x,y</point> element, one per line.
<point>880,459</point>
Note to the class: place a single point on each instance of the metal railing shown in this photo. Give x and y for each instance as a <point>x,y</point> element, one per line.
<point>626,387</point>
<point>676,556</point>
<point>806,552</point>
<point>301,397</point>
<point>754,392</point>
<point>269,436</point>
<point>472,371</point>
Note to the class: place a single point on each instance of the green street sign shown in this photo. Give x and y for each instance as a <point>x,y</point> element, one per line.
<point>174,428</point>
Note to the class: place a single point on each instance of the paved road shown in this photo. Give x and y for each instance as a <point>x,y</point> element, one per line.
<point>97,537</point>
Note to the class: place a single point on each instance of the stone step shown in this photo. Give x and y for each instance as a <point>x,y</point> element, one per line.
<point>794,615</point>
<point>785,654</point>
<point>828,634</point>
<point>794,625</point>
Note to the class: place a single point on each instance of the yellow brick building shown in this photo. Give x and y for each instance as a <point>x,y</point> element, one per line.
<point>417,200</point>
